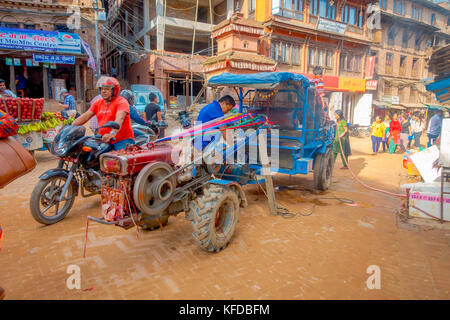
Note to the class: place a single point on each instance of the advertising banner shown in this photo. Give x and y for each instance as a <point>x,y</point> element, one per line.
<point>370,67</point>
<point>38,40</point>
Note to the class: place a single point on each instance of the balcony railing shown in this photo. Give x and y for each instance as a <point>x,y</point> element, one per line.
<point>402,71</point>
<point>414,72</point>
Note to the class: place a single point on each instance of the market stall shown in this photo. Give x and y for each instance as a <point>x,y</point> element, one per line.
<point>37,129</point>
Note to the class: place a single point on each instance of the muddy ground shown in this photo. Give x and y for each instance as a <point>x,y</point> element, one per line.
<point>324,255</point>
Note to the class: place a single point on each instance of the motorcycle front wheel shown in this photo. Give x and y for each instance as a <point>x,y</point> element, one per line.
<point>44,204</point>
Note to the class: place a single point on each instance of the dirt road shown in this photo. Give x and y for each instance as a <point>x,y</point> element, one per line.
<point>321,256</point>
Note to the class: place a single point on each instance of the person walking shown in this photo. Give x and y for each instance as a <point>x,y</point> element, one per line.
<point>341,132</point>
<point>405,133</point>
<point>387,123</point>
<point>68,104</point>
<point>377,132</point>
<point>394,133</point>
<point>417,128</point>
<point>434,128</point>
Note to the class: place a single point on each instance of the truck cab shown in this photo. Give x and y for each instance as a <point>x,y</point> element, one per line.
<point>142,91</point>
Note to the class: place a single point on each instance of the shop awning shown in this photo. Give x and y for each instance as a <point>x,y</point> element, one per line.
<point>381,104</point>
<point>436,107</point>
<point>413,105</point>
<point>261,80</point>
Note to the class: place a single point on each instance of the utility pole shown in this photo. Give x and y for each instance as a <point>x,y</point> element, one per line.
<point>97,46</point>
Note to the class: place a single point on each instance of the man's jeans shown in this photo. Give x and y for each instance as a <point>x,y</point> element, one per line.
<point>417,139</point>
<point>138,133</point>
<point>431,139</point>
<point>122,144</point>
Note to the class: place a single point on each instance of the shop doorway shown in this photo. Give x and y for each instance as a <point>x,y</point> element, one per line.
<point>35,77</point>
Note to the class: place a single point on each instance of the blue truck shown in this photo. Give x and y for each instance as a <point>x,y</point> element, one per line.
<point>142,91</point>
<point>305,134</point>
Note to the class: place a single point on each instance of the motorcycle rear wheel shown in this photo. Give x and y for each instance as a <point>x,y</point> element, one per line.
<point>45,194</point>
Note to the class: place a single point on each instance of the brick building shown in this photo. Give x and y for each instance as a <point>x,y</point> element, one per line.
<point>29,30</point>
<point>162,33</point>
<point>410,29</point>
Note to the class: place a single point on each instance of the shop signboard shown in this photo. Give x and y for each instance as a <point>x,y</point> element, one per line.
<point>395,100</point>
<point>352,84</point>
<point>390,99</point>
<point>17,62</point>
<point>371,84</point>
<point>51,58</point>
<point>331,26</point>
<point>39,40</point>
<point>9,61</point>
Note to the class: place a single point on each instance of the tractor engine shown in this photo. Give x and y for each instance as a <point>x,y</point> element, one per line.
<point>135,184</point>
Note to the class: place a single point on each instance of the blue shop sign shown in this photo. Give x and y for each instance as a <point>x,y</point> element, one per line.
<point>51,58</point>
<point>38,40</point>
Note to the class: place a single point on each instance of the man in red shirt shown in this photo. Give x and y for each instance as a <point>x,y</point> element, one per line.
<point>111,107</point>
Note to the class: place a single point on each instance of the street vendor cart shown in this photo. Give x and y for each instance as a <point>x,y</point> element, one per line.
<point>37,129</point>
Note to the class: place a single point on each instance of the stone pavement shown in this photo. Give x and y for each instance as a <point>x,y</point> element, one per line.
<point>321,256</point>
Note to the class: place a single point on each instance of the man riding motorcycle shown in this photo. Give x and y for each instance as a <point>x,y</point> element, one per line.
<point>111,107</point>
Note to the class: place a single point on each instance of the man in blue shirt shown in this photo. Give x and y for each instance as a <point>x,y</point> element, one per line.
<point>434,128</point>
<point>134,115</point>
<point>5,92</point>
<point>21,82</point>
<point>69,105</point>
<point>214,110</point>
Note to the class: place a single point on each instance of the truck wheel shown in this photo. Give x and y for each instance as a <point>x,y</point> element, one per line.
<point>215,214</point>
<point>323,170</point>
<point>153,223</point>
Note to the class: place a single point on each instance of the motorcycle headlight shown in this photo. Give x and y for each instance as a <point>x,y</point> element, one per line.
<point>114,164</point>
<point>59,149</point>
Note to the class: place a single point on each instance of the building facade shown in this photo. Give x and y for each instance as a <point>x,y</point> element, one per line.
<point>317,37</point>
<point>410,30</point>
<point>33,34</point>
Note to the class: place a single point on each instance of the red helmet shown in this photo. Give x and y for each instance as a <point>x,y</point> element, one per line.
<point>109,82</point>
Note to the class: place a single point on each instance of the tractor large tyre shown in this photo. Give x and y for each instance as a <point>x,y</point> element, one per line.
<point>215,214</point>
<point>323,170</point>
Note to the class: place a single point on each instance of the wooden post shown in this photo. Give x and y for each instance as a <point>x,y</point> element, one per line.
<point>187,92</point>
<point>262,143</point>
<point>45,83</point>
<point>12,79</point>
<point>78,81</point>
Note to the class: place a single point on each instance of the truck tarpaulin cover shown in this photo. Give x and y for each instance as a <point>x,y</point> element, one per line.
<point>262,80</point>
